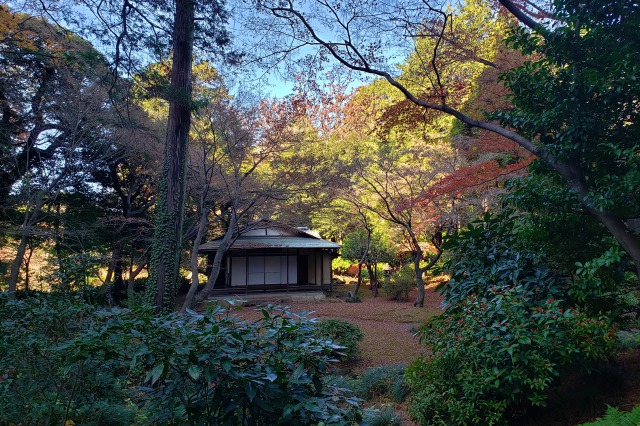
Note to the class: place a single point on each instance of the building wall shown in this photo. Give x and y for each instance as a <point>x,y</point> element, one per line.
<point>263,270</point>
<point>326,268</point>
<point>279,269</point>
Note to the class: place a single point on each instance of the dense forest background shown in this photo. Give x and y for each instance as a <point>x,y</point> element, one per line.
<point>496,142</point>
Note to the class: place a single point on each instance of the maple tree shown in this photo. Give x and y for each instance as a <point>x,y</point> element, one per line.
<point>393,182</point>
<point>233,174</point>
<point>583,35</point>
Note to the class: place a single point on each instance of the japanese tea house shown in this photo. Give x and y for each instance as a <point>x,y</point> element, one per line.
<point>273,256</point>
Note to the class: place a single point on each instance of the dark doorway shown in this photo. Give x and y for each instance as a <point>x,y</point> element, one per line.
<point>222,278</point>
<point>303,269</point>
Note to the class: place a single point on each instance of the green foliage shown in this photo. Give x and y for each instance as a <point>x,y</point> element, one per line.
<point>490,253</point>
<point>353,299</point>
<point>228,372</point>
<point>63,360</point>
<point>382,381</point>
<point>383,416</point>
<point>508,331</point>
<point>555,223</point>
<point>599,276</point>
<point>165,252</point>
<point>629,339</point>
<point>76,271</point>
<point>578,110</point>
<point>343,333</point>
<point>601,285</point>
<point>502,349</point>
<point>354,246</point>
<point>340,265</point>
<point>399,284</point>
<point>43,380</point>
<point>615,417</point>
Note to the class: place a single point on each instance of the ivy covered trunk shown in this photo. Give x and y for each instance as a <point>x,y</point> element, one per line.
<point>165,256</point>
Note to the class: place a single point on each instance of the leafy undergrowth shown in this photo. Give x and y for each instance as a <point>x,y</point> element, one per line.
<point>389,328</point>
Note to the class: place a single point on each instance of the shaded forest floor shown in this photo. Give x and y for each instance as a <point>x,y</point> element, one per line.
<point>389,328</point>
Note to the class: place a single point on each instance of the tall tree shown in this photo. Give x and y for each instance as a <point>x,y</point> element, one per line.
<point>57,122</point>
<point>167,241</point>
<point>136,30</point>
<point>41,73</point>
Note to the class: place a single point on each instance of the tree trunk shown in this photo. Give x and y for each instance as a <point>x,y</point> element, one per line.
<point>417,256</point>
<point>107,286</point>
<point>27,264</point>
<point>17,262</point>
<point>167,239</point>
<point>363,258</point>
<point>372,277</point>
<point>374,280</point>
<point>227,240</point>
<point>195,281</point>
<point>30,220</point>
<point>118,288</point>
<point>616,226</point>
<point>57,245</point>
<point>359,282</point>
<point>623,234</point>
<point>132,278</point>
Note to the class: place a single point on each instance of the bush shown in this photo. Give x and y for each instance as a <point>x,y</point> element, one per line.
<point>63,360</point>
<point>340,266</point>
<point>398,285</point>
<point>506,334</point>
<point>43,380</point>
<point>210,369</point>
<point>489,253</point>
<point>382,381</point>
<point>344,333</point>
<point>383,416</point>
<point>353,299</point>
<point>502,350</point>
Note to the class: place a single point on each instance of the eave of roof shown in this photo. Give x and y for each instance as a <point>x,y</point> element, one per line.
<point>252,243</point>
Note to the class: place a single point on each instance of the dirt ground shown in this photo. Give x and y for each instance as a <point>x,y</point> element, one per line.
<point>389,328</point>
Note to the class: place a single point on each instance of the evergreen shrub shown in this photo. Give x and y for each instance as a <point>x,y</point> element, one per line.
<point>62,360</point>
<point>506,335</point>
<point>343,333</point>
<point>399,285</point>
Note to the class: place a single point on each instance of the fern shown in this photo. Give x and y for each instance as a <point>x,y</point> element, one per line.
<point>615,417</point>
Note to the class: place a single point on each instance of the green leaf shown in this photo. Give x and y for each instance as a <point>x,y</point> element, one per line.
<point>155,373</point>
<point>271,377</point>
<point>195,371</point>
<point>251,391</point>
<point>524,340</point>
